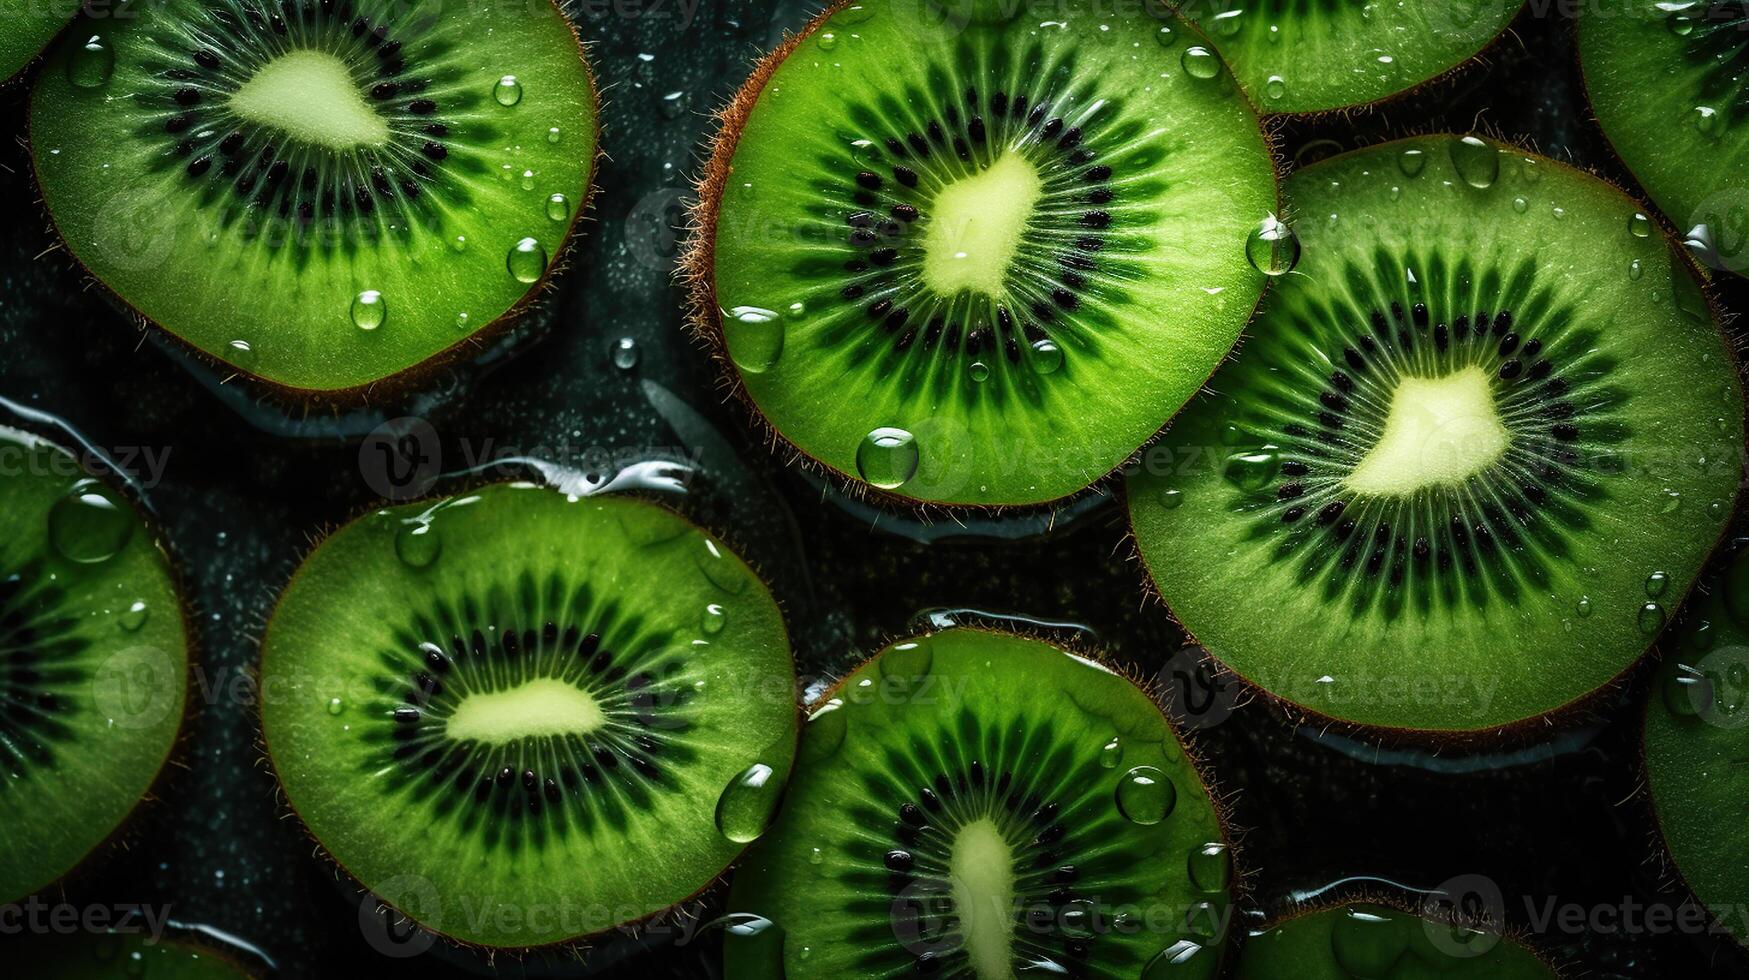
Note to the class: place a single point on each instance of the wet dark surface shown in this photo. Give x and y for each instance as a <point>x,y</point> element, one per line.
<point>1561,823</point>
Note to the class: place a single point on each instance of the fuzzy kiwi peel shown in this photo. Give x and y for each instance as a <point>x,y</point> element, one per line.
<point>94,656</point>
<point>121,955</point>
<point>320,199</point>
<point>522,718</point>
<point>1466,527</point>
<point>1380,941</point>
<point>929,235</point>
<point>970,803</point>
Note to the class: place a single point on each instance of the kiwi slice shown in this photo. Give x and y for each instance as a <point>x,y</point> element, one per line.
<point>1312,57</point>
<point>94,656</point>
<point>318,194</point>
<point>1697,741</point>
<point>1666,81</point>
<point>927,242</point>
<point>521,717</point>
<point>1473,455</point>
<point>1378,942</point>
<point>979,804</point>
<point>120,955</point>
<point>26,27</point>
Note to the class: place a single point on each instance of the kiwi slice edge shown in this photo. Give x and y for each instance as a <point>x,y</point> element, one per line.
<point>1352,935</point>
<point>20,48</point>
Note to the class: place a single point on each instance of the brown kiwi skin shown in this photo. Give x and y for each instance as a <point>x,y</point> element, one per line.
<point>696,274</point>
<point>304,401</point>
<point>163,785</point>
<point>690,908</point>
<point>1588,706</point>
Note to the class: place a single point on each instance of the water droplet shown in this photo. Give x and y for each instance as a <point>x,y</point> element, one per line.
<point>1166,36</point>
<point>90,524</point>
<point>1272,247</point>
<point>673,104</point>
<point>417,543</point>
<point>979,371</point>
<point>624,353</point>
<point>816,856</point>
<point>887,457</point>
<point>240,353</point>
<point>713,620</point>
<point>1520,205</point>
<point>1200,62</point>
<point>1172,499</point>
<point>1367,944</point>
<point>1583,606</point>
<point>1184,958</point>
<point>553,134</point>
<point>754,337</point>
<point>852,15</point>
<point>1145,796</point>
<point>1679,22</point>
<point>720,569</point>
<point>1706,119</point>
<point>369,310</point>
<point>1047,357</point>
<point>756,941</point>
<point>135,616</point>
<point>1078,918</point>
<point>1253,470</point>
<point>528,180</point>
<point>1211,867</point>
<point>1687,692</point>
<point>1635,271</point>
<point>1111,753</point>
<point>1476,162</point>
<point>1651,618</point>
<point>92,63</point>
<point>558,207</point>
<point>336,706</point>
<point>459,243</point>
<point>461,322</point>
<point>1639,225</point>
<point>1672,501</point>
<point>1275,87</point>
<point>827,40</point>
<point>1411,162</point>
<point>824,733</point>
<point>909,661</point>
<point>507,91</point>
<point>526,261</point>
<point>1657,584</point>
<point>748,804</point>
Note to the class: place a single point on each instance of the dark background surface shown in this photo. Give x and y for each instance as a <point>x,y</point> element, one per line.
<point>1556,821</point>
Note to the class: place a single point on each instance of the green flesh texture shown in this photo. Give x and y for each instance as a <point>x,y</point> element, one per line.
<point>1299,57</point>
<point>999,728</point>
<point>254,208</point>
<point>26,27</point>
<point>1666,82</point>
<point>1696,744</point>
<point>115,955</point>
<point>93,663</point>
<point>1371,942</point>
<point>871,276</point>
<point>620,665</point>
<point>1586,443</point>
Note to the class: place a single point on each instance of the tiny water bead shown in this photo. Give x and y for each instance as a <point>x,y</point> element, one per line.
<point>507,91</point>
<point>1706,119</point>
<point>240,352</point>
<point>92,64</point>
<point>1211,867</point>
<point>1272,247</point>
<point>528,180</point>
<point>1412,162</point>
<point>89,524</point>
<point>1635,270</point>
<point>552,134</point>
<point>336,706</point>
<point>979,371</point>
<point>1520,205</point>
<point>1111,753</point>
<point>1651,619</point>
<point>1146,796</point>
<point>1200,62</point>
<point>369,310</point>
<point>754,337</point>
<point>624,353</point>
<point>887,457</point>
<point>713,620</point>
<point>748,804</point>
<point>1583,607</point>
<point>1047,357</point>
<point>462,322</point>
<point>1475,161</point>
<point>1275,87</point>
<point>1639,225</point>
<point>558,207</point>
<point>134,617</point>
<point>418,544</point>
<point>526,261</point>
<point>1172,499</point>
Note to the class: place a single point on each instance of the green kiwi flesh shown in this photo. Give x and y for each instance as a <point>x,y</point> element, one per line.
<point>1666,82</point>
<point>26,27</point>
<point>983,805</point>
<point>94,656</point>
<point>325,194</point>
<point>1696,738</point>
<point>1474,451</point>
<point>535,708</point>
<point>119,955</point>
<point>1327,54</point>
<point>979,261</point>
<point>1366,941</point>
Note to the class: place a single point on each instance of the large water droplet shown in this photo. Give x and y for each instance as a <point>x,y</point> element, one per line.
<point>754,337</point>
<point>1172,499</point>
<point>624,353</point>
<point>1275,87</point>
<point>1211,867</point>
<point>1111,753</point>
<point>336,706</point>
<point>1184,958</point>
<point>526,261</point>
<point>1651,618</point>
<point>418,544</point>
<point>1367,944</point>
<point>1254,469</point>
<point>979,372</point>
<point>558,207</point>
<point>1047,357</point>
<point>1657,584</point>
<point>1707,120</point>
<point>134,616</point>
<point>720,569</point>
<point>1475,161</point>
<point>92,64</point>
<point>1639,225</point>
<point>1200,62</point>
<point>909,661</point>
<point>887,457</point>
<point>748,804</point>
<point>90,524</point>
<point>369,310</point>
<point>713,620</point>
<point>1412,162</point>
<point>1272,247</point>
<point>824,733</point>
<point>507,91</point>
<point>1145,796</point>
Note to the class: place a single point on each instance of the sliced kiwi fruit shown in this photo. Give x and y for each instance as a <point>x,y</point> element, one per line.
<point>982,805</point>
<point>1666,81</point>
<point>1370,941</point>
<point>116,954</point>
<point>520,717</point>
<point>94,652</point>
<point>928,240</point>
<point>1323,55</point>
<point>319,194</point>
<point>1697,743</point>
<point>26,27</point>
<point>1472,455</point>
